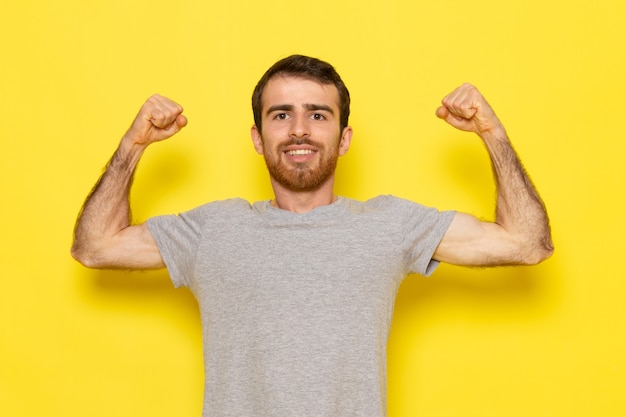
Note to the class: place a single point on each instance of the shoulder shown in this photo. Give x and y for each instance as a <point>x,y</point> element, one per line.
<point>394,211</point>
<point>203,213</point>
<point>387,202</point>
<point>403,212</point>
<point>230,205</point>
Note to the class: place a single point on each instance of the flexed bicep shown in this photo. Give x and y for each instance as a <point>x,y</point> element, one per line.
<point>104,236</point>
<point>470,241</point>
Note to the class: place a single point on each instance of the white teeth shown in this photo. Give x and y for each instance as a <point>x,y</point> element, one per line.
<point>300,152</point>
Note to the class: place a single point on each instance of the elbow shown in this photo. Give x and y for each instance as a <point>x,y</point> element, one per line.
<point>80,255</point>
<point>540,256</point>
<point>538,253</point>
<point>85,256</point>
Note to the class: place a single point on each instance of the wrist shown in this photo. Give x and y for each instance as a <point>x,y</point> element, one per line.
<point>128,153</point>
<point>497,134</point>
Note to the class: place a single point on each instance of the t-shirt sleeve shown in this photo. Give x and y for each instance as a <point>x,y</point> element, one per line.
<point>422,230</point>
<point>178,238</point>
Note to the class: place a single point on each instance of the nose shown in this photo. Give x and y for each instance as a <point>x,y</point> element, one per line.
<point>299,127</point>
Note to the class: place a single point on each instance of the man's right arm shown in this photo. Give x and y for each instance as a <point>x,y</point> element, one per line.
<point>104,236</point>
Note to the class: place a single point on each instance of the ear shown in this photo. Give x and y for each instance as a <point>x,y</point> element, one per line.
<point>346,139</point>
<point>257,140</point>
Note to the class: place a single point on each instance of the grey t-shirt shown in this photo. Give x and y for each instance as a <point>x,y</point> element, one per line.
<point>296,308</point>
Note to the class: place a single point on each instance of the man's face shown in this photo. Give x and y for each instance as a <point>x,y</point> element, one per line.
<point>300,141</point>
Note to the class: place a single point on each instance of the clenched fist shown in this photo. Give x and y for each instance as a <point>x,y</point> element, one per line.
<point>466,109</point>
<point>158,119</point>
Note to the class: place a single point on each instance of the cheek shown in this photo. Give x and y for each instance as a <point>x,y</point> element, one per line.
<point>273,133</point>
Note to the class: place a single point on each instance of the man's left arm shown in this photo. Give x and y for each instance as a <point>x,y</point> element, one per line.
<point>520,234</point>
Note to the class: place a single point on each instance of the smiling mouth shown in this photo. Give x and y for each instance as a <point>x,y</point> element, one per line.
<point>297,152</point>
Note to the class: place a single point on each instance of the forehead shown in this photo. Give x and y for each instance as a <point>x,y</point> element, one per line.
<point>296,91</point>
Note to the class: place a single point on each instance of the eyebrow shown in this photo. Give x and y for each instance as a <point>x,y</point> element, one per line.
<point>289,107</point>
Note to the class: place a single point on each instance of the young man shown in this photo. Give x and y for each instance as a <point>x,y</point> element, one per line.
<point>296,293</point>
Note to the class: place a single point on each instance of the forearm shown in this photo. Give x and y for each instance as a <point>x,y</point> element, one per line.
<point>519,208</point>
<point>106,210</point>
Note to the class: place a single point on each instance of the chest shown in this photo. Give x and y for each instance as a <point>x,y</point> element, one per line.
<point>345,268</point>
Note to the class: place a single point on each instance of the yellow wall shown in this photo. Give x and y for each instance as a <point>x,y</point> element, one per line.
<point>541,341</point>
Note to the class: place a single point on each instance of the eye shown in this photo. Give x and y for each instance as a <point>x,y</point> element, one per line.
<point>280,116</point>
<point>318,116</point>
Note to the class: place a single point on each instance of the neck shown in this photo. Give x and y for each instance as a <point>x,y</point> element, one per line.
<point>302,201</point>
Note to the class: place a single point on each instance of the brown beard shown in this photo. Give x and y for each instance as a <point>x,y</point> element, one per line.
<point>302,177</point>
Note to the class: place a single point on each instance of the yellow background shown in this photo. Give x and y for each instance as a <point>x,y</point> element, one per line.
<point>540,341</point>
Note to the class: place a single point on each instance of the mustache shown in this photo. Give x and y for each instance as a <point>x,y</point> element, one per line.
<point>302,141</point>
<point>299,142</point>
